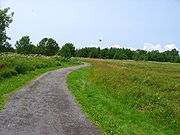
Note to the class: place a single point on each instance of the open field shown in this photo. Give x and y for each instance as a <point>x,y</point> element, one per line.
<point>17,70</point>
<point>129,97</point>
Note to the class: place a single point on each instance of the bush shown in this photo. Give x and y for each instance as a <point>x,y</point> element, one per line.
<point>41,65</point>
<point>61,59</point>
<point>22,67</point>
<point>21,64</point>
<point>7,72</point>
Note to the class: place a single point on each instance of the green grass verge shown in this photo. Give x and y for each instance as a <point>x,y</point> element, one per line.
<point>10,85</point>
<point>111,115</point>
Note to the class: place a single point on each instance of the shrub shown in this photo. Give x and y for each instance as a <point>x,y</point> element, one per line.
<point>61,59</point>
<point>20,64</point>
<point>22,67</point>
<point>7,72</point>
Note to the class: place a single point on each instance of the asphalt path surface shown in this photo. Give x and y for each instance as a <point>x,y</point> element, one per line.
<point>45,107</point>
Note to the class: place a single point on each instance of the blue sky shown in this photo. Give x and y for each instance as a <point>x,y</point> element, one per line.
<point>138,24</point>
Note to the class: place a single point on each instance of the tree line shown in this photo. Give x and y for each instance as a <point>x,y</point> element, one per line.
<point>128,54</point>
<point>49,47</point>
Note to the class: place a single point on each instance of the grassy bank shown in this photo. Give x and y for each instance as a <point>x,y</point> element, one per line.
<point>128,97</point>
<point>18,70</point>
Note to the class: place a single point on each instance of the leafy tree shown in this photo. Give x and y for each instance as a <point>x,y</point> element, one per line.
<point>172,52</point>
<point>153,55</point>
<point>141,52</point>
<point>129,53</point>
<point>124,54</point>
<point>83,52</point>
<point>121,56</point>
<point>91,52</point>
<point>67,50</point>
<point>104,54</point>
<point>136,57</point>
<point>7,47</point>
<point>177,59</point>
<point>140,55</point>
<point>112,52</point>
<point>94,52</point>
<point>25,46</point>
<point>5,20</point>
<point>48,47</point>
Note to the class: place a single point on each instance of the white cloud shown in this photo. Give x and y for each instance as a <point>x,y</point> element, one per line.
<point>150,47</point>
<point>95,46</point>
<point>132,49</point>
<point>117,46</point>
<point>170,47</point>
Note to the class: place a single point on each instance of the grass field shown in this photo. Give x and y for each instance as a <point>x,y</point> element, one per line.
<point>129,97</point>
<point>18,70</point>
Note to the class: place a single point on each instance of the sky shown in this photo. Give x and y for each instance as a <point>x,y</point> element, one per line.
<point>134,24</point>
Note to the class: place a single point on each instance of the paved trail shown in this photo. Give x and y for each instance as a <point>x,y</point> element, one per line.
<point>45,107</point>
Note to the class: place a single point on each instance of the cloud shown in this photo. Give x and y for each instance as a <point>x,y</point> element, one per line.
<point>95,46</point>
<point>150,47</point>
<point>170,47</point>
<point>117,46</point>
<point>132,49</point>
<point>161,48</point>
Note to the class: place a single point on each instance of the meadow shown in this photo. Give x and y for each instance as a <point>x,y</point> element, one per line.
<point>17,70</point>
<point>129,97</point>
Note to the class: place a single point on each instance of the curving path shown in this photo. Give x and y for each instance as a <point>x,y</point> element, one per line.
<point>45,107</point>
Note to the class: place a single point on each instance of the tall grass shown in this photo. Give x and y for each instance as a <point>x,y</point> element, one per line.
<point>150,88</point>
<point>14,64</point>
<point>17,70</point>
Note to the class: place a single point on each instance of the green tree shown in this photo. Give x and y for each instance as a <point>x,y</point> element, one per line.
<point>121,56</point>
<point>8,47</point>
<point>112,52</point>
<point>5,20</point>
<point>94,52</point>
<point>140,55</point>
<point>25,46</point>
<point>48,47</point>
<point>172,52</point>
<point>153,55</point>
<point>141,52</point>
<point>83,52</point>
<point>104,54</point>
<point>177,59</point>
<point>67,50</point>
